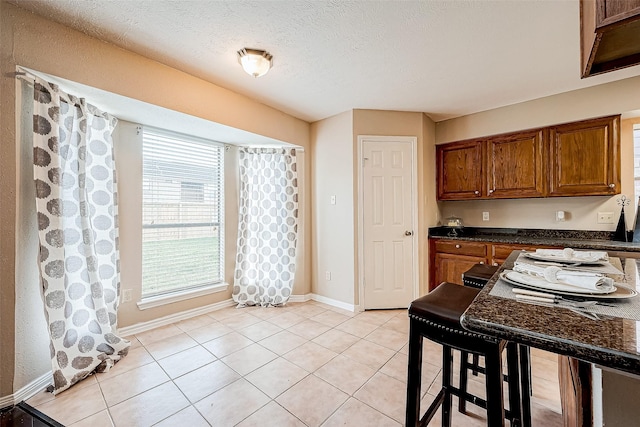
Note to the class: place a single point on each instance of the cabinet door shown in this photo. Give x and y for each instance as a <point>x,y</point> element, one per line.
<point>584,158</point>
<point>450,267</point>
<point>613,11</point>
<point>500,252</point>
<point>448,259</point>
<point>514,165</point>
<point>576,389</point>
<point>459,168</point>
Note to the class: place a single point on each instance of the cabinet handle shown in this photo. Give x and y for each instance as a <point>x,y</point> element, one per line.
<point>476,192</point>
<point>491,191</point>
<point>495,264</point>
<point>612,186</point>
<point>458,246</point>
<point>481,262</point>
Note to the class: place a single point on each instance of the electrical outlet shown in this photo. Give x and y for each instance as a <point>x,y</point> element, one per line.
<point>605,217</point>
<point>485,216</point>
<point>333,200</point>
<point>126,295</point>
<point>560,216</point>
<point>327,275</point>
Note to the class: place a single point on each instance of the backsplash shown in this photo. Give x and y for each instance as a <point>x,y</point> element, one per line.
<point>524,233</point>
<point>581,213</point>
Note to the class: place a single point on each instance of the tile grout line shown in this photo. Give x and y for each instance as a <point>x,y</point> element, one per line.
<point>389,325</point>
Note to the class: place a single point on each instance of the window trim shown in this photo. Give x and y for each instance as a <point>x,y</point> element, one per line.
<point>208,287</point>
<point>181,295</point>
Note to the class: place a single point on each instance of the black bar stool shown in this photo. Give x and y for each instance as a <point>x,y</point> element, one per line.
<point>436,316</point>
<point>477,277</point>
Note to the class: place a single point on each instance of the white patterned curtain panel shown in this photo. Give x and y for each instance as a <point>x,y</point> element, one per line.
<point>268,227</point>
<point>77,222</point>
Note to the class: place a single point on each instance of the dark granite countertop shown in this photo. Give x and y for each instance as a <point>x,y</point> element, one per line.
<point>578,239</point>
<point>609,342</point>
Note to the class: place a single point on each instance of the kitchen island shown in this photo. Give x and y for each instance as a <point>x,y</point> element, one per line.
<point>610,343</point>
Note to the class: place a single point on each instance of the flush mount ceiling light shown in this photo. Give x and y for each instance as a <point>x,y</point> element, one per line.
<point>255,62</point>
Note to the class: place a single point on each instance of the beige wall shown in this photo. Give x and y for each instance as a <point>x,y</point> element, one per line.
<point>399,123</point>
<point>430,208</point>
<point>8,201</point>
<point>128,154</point>
<point>333,230</point>
<point>302,282</point>
<point>33,42</point>
<point>612,98</point>
<point>335,170</point>
<point>32,337</point>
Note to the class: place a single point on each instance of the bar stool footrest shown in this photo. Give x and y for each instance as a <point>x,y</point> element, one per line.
<point>433,408</point>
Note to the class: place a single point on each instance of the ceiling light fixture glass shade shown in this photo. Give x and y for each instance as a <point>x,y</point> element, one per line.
<point>255,62</point>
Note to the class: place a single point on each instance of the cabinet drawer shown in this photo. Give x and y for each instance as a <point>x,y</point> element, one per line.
<point>503,251</point>
<point>462,248</point>
<point>499,253</point>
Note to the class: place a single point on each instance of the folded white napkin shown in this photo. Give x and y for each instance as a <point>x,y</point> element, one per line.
<point>570,254</point>
<point>580,279</point>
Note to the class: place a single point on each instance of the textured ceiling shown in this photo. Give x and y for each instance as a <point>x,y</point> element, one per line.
<point>444,58</point>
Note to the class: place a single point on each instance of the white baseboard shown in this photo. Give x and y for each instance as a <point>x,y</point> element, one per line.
<point>43,381</point>
<point>300,298</point>
<point>172,318</point>
<point>27,391</point>
<point>183,315</point>
<point>335,303</point>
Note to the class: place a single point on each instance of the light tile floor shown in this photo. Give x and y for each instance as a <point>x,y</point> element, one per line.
<point>307,364</point>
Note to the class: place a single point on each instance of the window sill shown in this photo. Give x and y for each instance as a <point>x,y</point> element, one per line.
<point>159,300</point>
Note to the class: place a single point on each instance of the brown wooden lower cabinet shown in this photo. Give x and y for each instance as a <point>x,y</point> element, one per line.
<point>449,259</point>
<point>500,252</point>
<point>449,267</point>
<point>575,392</point>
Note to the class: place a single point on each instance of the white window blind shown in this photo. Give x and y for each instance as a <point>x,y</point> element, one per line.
<point>182,212</point>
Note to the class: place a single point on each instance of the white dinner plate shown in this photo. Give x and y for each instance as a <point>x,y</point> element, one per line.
<point>621,291</point>
<point>564,260</point>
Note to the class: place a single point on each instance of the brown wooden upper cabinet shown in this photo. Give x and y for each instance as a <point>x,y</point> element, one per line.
<point>459,170</point>
<point>610,35</point>
<point>584,158</point>
<point>514,165</point>
<point>573,159</point>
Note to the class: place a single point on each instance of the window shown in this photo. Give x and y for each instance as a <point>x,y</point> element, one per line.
<point>182,213</point>
<point>192,191</point>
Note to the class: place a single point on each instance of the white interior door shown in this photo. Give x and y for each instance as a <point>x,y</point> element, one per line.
<point>388,223</point>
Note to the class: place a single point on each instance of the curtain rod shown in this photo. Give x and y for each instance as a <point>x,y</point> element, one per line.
<point>24,75</point>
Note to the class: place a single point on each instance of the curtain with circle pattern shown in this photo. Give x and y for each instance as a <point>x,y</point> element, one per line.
<point>267,227</point>
<point>77,221</point>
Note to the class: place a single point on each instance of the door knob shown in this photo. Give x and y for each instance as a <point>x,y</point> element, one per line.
<point>408,233</point>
